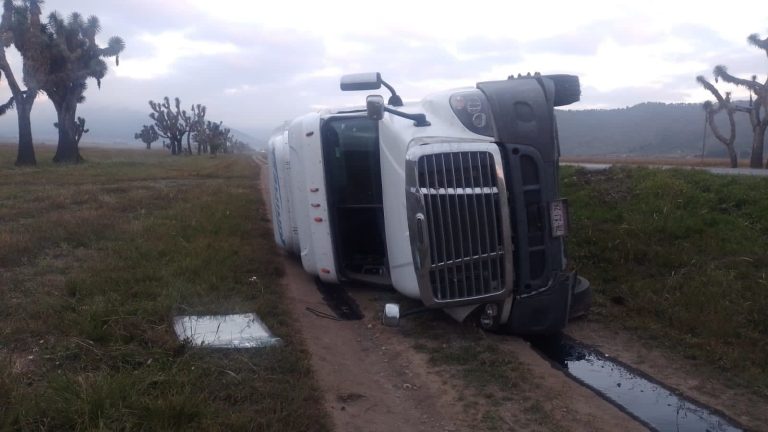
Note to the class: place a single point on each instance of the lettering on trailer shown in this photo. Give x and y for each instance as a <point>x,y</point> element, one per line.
<point>277,198</point>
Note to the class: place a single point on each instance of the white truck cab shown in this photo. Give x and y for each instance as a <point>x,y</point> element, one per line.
<point>452,200</point>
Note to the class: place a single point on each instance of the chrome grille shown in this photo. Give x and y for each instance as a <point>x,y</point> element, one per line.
<point>462,206</point>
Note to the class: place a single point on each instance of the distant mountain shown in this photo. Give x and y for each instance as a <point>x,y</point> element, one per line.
<point>646,129</point>
<point>253,137</point>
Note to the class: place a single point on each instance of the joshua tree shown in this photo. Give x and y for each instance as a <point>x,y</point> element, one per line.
<point>238,146</point>
<point>758,108</point>
<point>196,123</point>
<point>217,137</point>
<point>80,130</point>
<point>148,135</point>
<point>171,123</point>
<point>72,57</point>
<point>20,27</point>
<point>723,104</point>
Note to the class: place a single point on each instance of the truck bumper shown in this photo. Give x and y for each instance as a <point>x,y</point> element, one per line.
<point>548,311</point>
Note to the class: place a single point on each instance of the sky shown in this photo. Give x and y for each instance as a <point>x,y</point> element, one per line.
<point>255,64</point>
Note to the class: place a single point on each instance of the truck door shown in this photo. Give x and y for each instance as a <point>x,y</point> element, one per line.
<point>353,182</point>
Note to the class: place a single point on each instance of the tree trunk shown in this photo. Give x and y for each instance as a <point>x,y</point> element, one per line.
<point>67,150</point>
<point>758,139</point>
<point>732,155</point>
<point>26,151</point>
<point>761,133</point>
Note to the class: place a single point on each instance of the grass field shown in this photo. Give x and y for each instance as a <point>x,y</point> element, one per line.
<point>96,259</point>
<point>680,258</point>
<point>654,160</point>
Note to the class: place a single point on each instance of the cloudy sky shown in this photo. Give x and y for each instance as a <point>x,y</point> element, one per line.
<point>257,63</point>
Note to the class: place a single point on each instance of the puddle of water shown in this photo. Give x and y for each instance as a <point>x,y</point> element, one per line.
<point>224,331</point>
<point>645,399</point>
<point>339,301</point>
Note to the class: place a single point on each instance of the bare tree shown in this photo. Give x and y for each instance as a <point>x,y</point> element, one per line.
<point>711,110</point>
<point>79,130</point>
<point>72,57</point>
<point>171,122</point>
<point>238,146</point>
<point>758,108</point>
<point>217,136</point>
<point>148,135</point>
<point>20,27</point>
<point>197,124</point>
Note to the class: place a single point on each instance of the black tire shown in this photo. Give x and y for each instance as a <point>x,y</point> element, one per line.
<point>567,89</point>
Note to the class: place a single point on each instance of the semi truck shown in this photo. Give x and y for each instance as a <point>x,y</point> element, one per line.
<point>452,200</point>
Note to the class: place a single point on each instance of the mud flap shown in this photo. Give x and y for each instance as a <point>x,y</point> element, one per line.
<point>581,300</point>
<point>543,313</point>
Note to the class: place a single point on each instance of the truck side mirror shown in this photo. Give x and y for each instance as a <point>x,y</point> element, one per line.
<point>374,104</point>
<point>361,81</point>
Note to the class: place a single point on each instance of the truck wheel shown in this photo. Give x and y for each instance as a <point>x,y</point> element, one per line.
<point>567,89</point>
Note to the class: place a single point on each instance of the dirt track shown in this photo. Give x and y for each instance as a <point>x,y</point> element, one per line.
<point>374,379</point>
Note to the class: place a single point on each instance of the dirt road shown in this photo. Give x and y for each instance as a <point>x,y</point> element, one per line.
<point>432,374</point>
<point>375,379</point>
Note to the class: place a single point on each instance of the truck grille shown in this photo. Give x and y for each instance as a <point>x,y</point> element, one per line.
<point>463,214</point>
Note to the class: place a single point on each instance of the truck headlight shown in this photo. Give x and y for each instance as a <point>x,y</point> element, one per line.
<point>473,110</point>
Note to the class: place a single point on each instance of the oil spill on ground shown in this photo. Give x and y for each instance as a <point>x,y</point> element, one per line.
<point>645,399</point>
<point>339,301</point>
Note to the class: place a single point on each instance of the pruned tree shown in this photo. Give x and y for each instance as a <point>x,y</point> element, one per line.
<point>20,27</point>
<point>723,104</point>
<point>758,108</point>
<point>71,57</point>
<point>148,135</point>
<point>171,122</point>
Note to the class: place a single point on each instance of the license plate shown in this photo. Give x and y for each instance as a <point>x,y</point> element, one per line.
<point>558,211</point>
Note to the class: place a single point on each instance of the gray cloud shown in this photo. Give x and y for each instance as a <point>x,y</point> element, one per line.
<point>586,40</point>
<point>484,47</point>
<point>275,75</point>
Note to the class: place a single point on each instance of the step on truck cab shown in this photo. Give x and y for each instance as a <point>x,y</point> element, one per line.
<point>452,200</point>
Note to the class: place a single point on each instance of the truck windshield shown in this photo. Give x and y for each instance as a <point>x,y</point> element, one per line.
<point>353,177</point>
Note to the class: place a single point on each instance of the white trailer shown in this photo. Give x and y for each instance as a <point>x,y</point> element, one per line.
<point>452,200</point>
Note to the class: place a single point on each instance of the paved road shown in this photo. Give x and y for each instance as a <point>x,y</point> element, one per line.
<point>713,170</point>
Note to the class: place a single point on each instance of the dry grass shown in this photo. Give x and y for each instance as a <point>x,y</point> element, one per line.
<point>487,375</point>
<point>96,259</point>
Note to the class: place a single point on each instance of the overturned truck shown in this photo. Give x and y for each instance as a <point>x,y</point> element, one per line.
<point>452,200</point>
